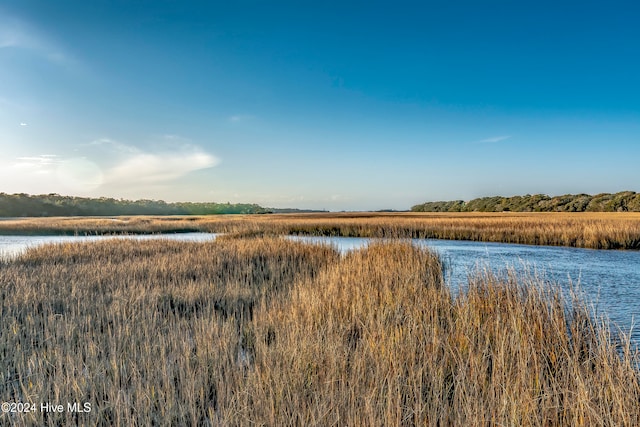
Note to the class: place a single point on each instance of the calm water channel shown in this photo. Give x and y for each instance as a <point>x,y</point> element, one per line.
<point>609,279</point>
<point>14,245</point>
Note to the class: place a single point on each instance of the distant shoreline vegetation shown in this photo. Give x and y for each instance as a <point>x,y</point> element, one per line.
<point>625,201</point>
<point>44,205</point>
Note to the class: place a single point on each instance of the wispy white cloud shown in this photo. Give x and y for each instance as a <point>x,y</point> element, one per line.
<point>18,34</point>
<point>153,168</point>
<point>237,118</point>
<point>495,139</point>
<point>116,168</point>
<point>40,161</point>
<point>28,174</point>
<point>79,175</point>
<point>176,138</point>
<point>53,173</point>
<point>175,156</point>
<point>113,146</point>
<point>171,157</point>
<point>13,33</point>
<point>23,124</point>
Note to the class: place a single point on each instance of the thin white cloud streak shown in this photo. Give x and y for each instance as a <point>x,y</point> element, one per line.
<point>30,174</point>
<point>114,146</point>
<point>237,118</point>
<point>42,160</point>
<point>119,170</point>
<point>17,34</point>
<point>135,167</point>
<point>495,139</point>
<point>148,168</point>
<point>13,33</point>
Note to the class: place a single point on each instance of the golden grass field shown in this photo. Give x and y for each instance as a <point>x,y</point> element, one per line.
<point>266,331</point>
<point>615,230</point>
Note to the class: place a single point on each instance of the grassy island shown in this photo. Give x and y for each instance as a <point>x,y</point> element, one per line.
<point>596,230</point>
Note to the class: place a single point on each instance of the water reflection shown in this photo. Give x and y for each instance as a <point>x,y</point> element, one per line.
<point>11,246</point>
<point>609,279</point>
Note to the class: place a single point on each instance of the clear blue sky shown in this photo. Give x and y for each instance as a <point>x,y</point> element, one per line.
<point>334,105</point>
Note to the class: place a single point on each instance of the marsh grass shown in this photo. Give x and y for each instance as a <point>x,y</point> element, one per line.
<point>586,230</point>
<point>377,340</point>
<point>265,331</point>
<point>149,332</point>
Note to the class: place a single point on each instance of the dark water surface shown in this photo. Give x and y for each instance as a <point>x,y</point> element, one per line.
<point>610,280</point>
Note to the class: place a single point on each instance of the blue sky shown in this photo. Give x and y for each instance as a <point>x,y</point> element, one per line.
<point>327,105</point>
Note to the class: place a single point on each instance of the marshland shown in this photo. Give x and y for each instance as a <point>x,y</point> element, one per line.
<point>253,328</point>
<point>595,230</point>
<point>215,213</point>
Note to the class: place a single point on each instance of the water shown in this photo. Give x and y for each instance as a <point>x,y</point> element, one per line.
<point>14,245</point>
<point>609,280</point>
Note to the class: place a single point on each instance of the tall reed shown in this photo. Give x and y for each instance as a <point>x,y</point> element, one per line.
<point>272,332</point>
<point>377,340</point>
<point>587,230</point>
<point>149,333</point>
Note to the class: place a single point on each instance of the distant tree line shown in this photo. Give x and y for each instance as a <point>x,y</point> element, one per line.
<point>18,205</point>
<point>625,201</point>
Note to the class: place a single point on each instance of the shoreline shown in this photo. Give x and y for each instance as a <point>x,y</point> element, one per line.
<point>582,230</point>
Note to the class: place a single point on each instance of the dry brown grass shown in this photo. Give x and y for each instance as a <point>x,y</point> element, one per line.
<point>587,230</point>
<point>271,332</point>
<point>376,340</point>
<point>148,332</point>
